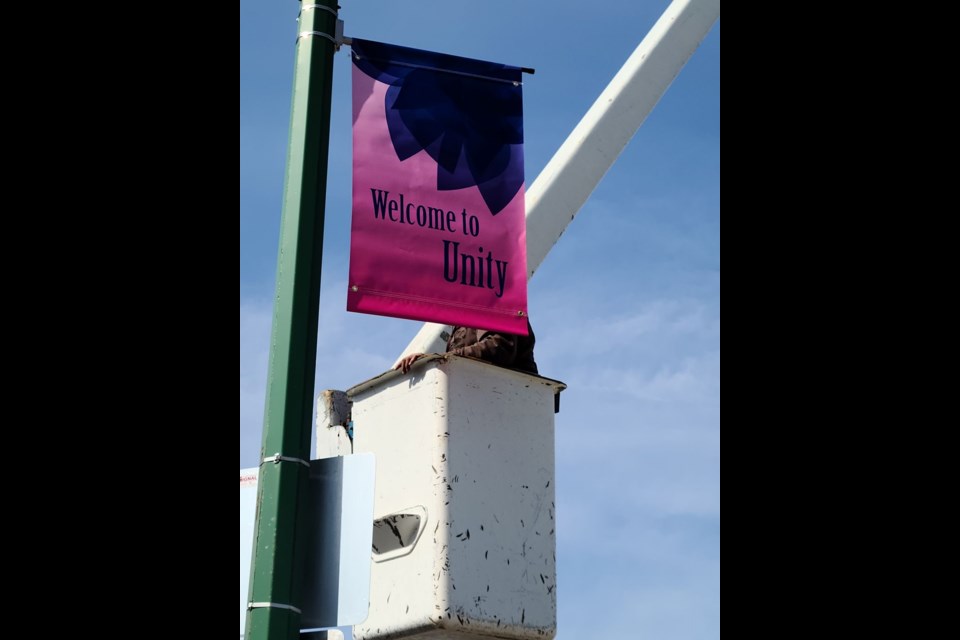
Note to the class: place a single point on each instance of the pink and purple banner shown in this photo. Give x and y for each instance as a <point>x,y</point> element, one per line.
<point>439,231</point>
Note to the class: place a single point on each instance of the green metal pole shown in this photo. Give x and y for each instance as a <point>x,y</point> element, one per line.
<point>275,574</point>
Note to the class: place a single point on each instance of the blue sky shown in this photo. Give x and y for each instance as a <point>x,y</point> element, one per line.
<point>626,307</point>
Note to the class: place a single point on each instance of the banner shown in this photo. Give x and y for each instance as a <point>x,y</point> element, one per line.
<point>439,229</point>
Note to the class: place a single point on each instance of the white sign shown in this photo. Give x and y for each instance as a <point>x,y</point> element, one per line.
<point>337,572</point>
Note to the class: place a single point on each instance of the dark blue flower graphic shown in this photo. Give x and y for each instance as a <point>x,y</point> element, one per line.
<point>467,114</point>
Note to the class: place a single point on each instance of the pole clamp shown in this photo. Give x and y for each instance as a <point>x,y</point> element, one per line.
<point>318,33</point>
<point>318,6</point>
<point>277,459</point>
<point>272,605</point>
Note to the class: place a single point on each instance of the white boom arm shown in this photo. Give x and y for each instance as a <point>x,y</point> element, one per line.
<point>590,150</point>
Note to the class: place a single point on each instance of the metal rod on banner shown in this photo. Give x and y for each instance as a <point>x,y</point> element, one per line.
<point>342,39</point>
<point>577,167</point>
<point>274,602</point>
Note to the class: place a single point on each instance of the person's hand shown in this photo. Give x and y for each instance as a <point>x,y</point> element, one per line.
<point>405,364</point>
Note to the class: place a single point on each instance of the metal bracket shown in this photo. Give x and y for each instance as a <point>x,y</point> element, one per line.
<point>318,33</point>
<point>271,605</point>
<point>277,459</point>
<point>338,39</point>
<point>342,39</point>
<point>318,6</point>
